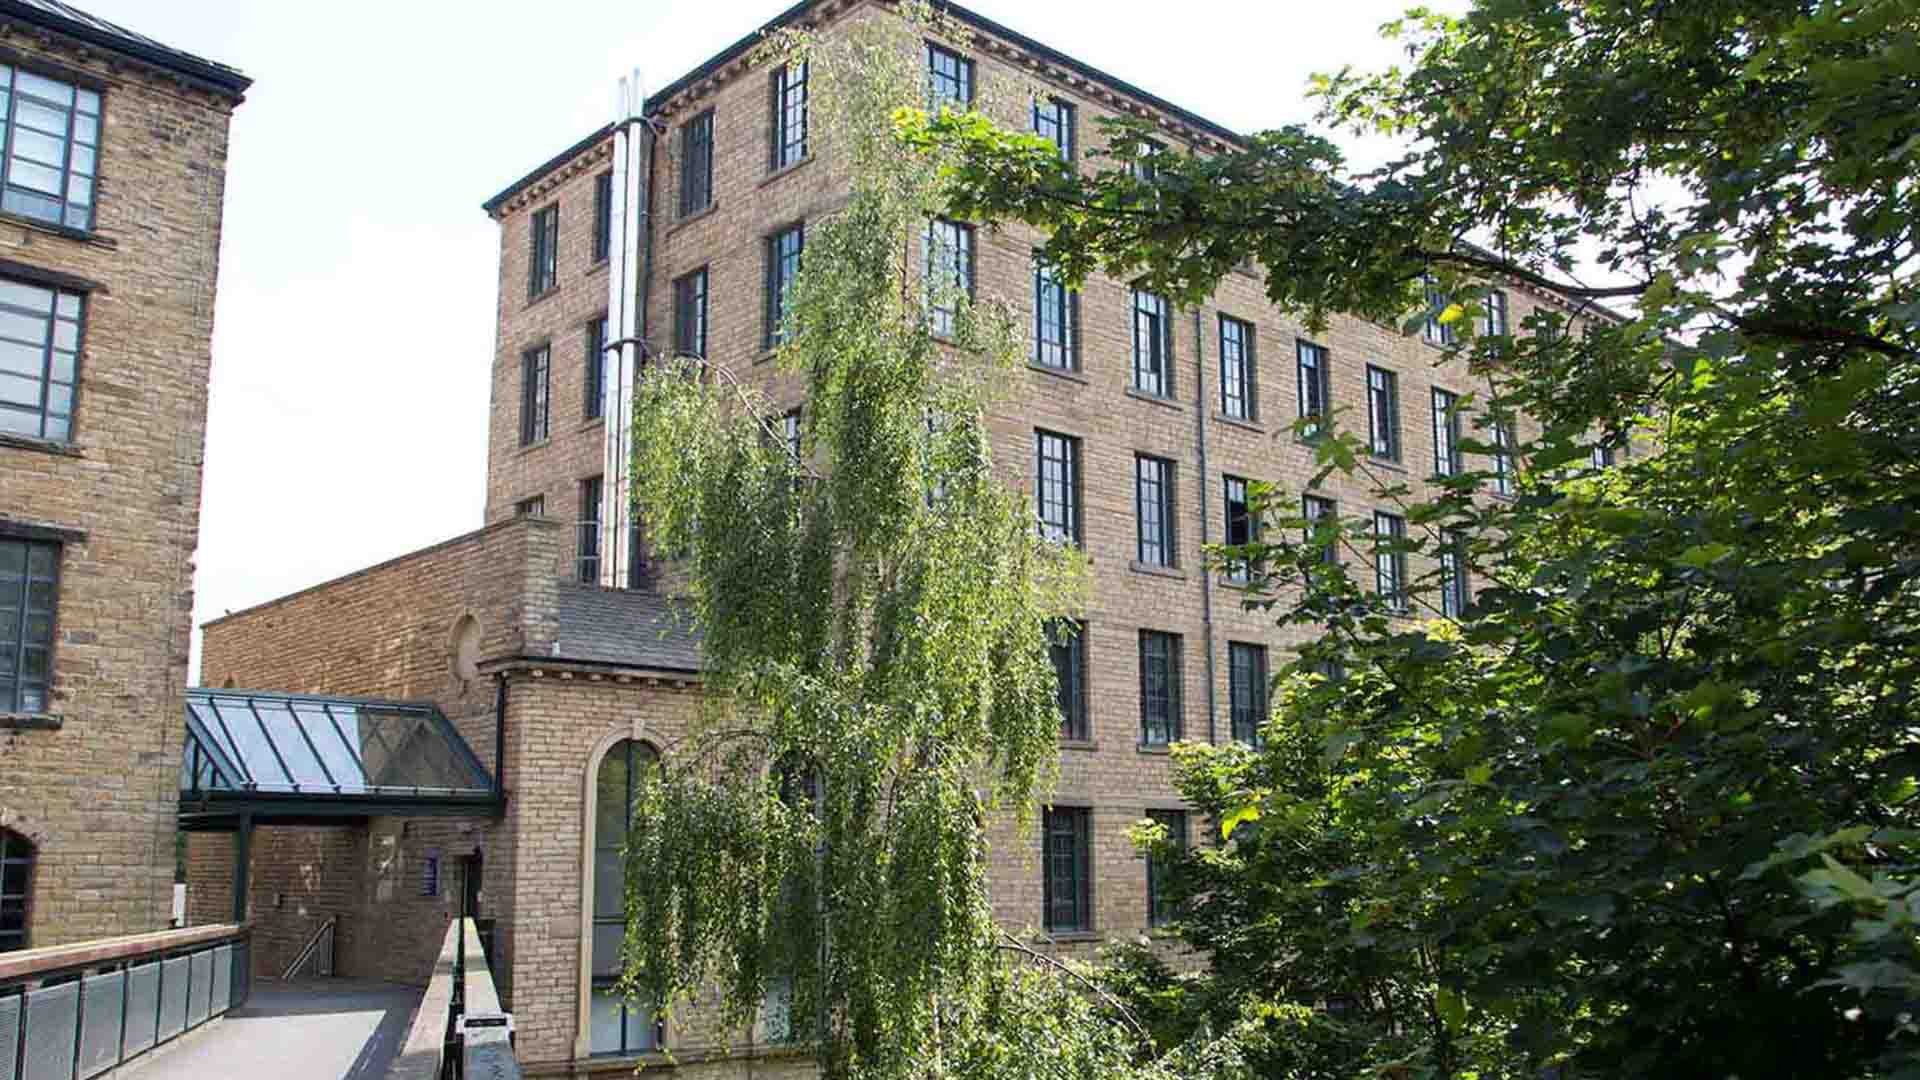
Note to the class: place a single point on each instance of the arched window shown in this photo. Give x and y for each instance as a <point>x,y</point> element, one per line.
<point>615,1028</point>
<point>16,885</point>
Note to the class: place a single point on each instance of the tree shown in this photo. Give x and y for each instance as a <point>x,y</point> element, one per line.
<point>1647,806</point>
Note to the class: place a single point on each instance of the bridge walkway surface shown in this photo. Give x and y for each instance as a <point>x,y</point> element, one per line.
<point>306,1029</point>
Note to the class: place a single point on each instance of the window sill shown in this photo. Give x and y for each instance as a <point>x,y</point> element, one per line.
<point>552,291</point>
<point>1386,463</point>
<point>784,171</point>
<point>1234,421</point>
<point>1068,374</point>
<point>44,446</point>
<point>599,266</point>
<point>537,444</point>
<point>591,422</point>
<point>1079,744</point>
<point>14,721</point>
<point>1163,402</point>
<point>1067,937</point>
<point>65,232</point>
<point>1174,572</point>
<point>701,214</point>
<point>1156,749</point>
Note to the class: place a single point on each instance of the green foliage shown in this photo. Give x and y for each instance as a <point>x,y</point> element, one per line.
<point>1647,808</point>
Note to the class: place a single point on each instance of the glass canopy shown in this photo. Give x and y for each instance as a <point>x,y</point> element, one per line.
<point>242,743</point>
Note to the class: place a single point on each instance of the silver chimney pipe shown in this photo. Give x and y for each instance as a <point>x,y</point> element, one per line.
<point>626,324</point>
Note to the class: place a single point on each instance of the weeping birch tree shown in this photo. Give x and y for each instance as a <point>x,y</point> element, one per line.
<point>875,608</point>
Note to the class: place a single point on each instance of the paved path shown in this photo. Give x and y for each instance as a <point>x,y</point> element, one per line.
<point>308,1029</point>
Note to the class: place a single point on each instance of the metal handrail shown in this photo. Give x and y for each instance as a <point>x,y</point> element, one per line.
<point>322,939</point>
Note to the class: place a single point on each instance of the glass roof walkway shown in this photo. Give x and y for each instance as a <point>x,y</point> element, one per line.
<point>290,758</point>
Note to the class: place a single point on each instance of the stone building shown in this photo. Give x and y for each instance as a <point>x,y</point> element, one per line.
<point>112,175</point>
<point>545,635</point>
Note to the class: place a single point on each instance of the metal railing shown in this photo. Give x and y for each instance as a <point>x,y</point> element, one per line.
<point>459,1029</point>
<point>317,953</point>
<point>71,1012</point>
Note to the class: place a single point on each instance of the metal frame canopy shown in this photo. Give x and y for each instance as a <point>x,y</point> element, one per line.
<point>292,758</point>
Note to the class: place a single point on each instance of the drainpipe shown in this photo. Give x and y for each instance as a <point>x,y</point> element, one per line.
<point>500,735</point>
<point>629,274</point>
<point>1206,515</point>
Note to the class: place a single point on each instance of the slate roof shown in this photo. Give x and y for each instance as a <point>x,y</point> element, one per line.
<point>625,627</point>
<point>71,21</point>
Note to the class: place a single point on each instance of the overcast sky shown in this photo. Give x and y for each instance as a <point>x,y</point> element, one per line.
<point>357,273</point>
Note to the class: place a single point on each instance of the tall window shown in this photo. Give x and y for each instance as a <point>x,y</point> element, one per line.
<point>29,582</point>
<point>535,374</point>
<point>1066,851</point>
<point>1153,510</point>
<point>1142,167</point>
<point>789,116</point>
<point>1160,909</point>
<point>1383,413</point>
<point>1056,320</point>
<point>1160,721</point>
<point>1152,345</point>
<point>947,253</point>
<point>1456,592</point>
<point>1057,491</point>
<point>1389,561</point>
<point>690,314</point>
<point>16,887</point>
<point>1237,380</point>
<point>1069,649</point>
<point>1053,121</point>
<point>1247,690</point>
<point>1320,510</point>
<point>790,435</point>
<point>1242,529</point>
<point>949,79</point>
<point>783,265</point>
<point>602,216</point>
<point>595,405</point>
<point>1310,362</point>
<point>588,566</point>
<point>1437,332</point>
<point>696,164</point>
<point>1446,433</point>
<point>543,251</point>
<point>615,1027</point>
<point>53,140</point>
<point>1502,459</point>
<point>39,359</point>
<point>1493,314</point>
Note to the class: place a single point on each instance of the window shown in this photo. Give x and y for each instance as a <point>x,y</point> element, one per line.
<point>690,314</point>
<point>1502,460</point>
<point>1142,167</point>
<point>16,888</point>
<point>1056,320</point>
<point>1242,527</point>
<point>1237,398</point>
<point>614,1026</point>
<point>1310,363</point>
<point>1069,651</point>
<point>783,265</point>
<point>1390,563</point>
<point>790,434</point>
<point>53,139</point>
<point>1057,492</point>
<point>1601,455</point>
<point>949,79</point>
<point>1160,721</point>
<point>1160,909</point>
<point>533,506</point>
<point>430,874</point>
<point>1053,121</point>
<point>591,490</point>
<point>1065,852</point>
<point>696,164</point>
<point>29,582</point>
<point>1320,510</point>
<point>543,251</point>
<point>595,405</point>
<point>1437,332</point>
<point>1383,413</point>
<point>1493,316</point>
<point>1446,433</point>
<point>1456,591</point>
<point>602,216</point>
<point>535,373</point>
<point>947,254</point>
<point>1247,690</point>
<point>1153,510</point>
<point>40,330</point>
<point>789,116</point>
<point>1152,345</point>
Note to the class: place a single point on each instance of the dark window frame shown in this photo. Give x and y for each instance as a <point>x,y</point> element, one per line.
<point>1069,654</point>
<point>1069,497</point>
<point>696,164</point>
<point>1503,463</point>
<point>587,565</point>
<point>960,79</point>
<point>1390,567</point>
<point>1066,853</point>
<point>1437,332</point>
<point>543,251</point>
<point>636,755</point>
<point>1061,116</point>
<point>1246,690</point>
<point>1156,538</point>
<point>536,394</point>
<point>1162,719</point>
<point>955,241</point>
<point>1239,372</point>
<point>1456,584</point>
<point>690,308</point>
<point>782,266</point>
<point>1493,313</point>
<point>1447,459</point>
<point>1242,527</point>
<point>18,198</point>
<point>1159,907</point>
<point>1056,320</point>
<point>55,384</point>
<point>24,686</point>
<point>594,388</point>
<point>1153,367</point>
<point>1383,414</point>
<point>789,101</point>
<point>603,216</point>
<point>1315,508</point>
<point>17,850</point>
<point>1313,383</point>
<point>531,506</point>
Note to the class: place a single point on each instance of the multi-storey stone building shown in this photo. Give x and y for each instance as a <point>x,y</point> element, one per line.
<point>112,172</point>
<point>546,637</point>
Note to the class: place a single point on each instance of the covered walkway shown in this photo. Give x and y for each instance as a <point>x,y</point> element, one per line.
<point>307,1029</point>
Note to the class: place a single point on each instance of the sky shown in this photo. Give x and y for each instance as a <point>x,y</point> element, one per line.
<point>355,318</point>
